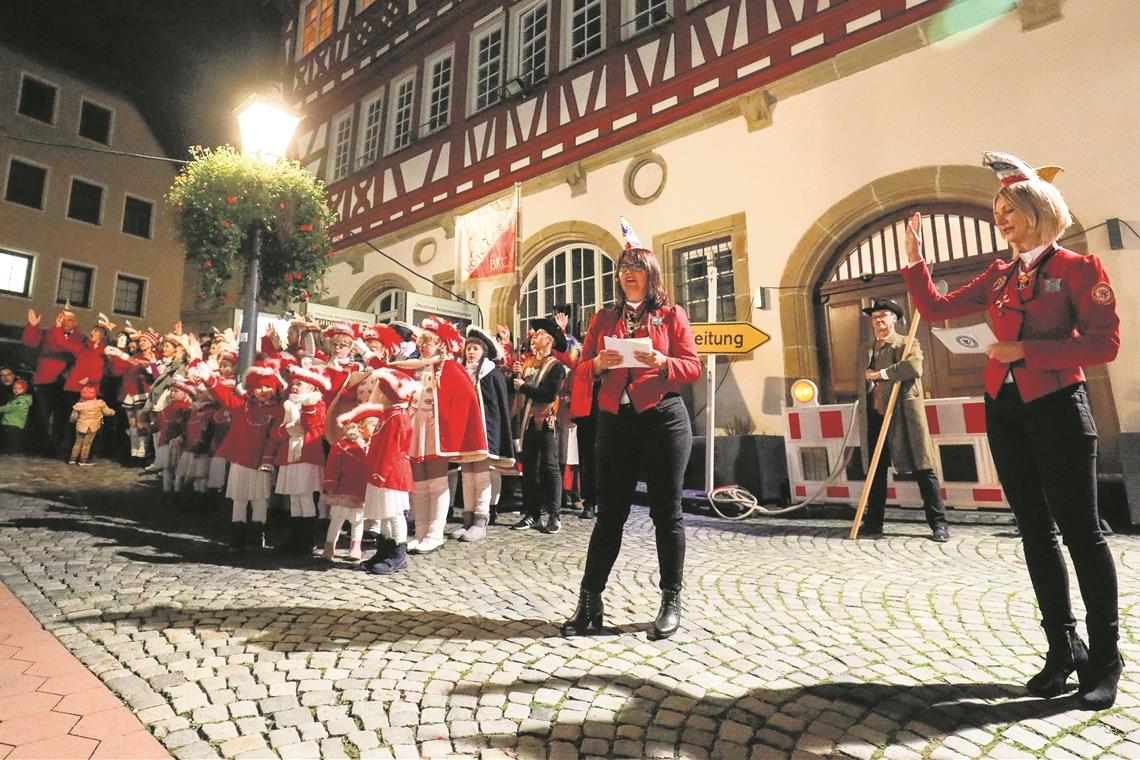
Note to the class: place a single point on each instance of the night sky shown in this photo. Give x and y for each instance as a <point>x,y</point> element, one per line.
<point>185,63</point>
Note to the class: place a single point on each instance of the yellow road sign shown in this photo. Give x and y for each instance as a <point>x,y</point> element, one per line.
<point>728,337</point>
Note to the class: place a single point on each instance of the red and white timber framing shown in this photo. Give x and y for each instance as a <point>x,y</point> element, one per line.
<point>717,51</point>
<point>959,422</point>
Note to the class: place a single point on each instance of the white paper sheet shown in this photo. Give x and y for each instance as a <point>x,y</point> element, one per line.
<point>973,339</point>
<point>626,347</point>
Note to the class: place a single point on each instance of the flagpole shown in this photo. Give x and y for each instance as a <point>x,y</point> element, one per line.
<point>518,247</point>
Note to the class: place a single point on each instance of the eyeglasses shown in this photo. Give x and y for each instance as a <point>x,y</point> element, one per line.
<point>631,266</point>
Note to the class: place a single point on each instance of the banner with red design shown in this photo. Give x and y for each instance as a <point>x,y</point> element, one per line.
<point>485,239</point>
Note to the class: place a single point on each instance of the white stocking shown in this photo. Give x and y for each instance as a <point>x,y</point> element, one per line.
<point>496,486</point>
<point>481,499</point>
<point>437,507</point>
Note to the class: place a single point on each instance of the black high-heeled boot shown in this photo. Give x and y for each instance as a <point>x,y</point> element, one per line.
<point>669,616</point>
<point>587,619</point>
<point>1099,679</point>
<point>1066,653</point>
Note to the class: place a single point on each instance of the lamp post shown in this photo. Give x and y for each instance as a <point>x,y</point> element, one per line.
<point>267,126</point>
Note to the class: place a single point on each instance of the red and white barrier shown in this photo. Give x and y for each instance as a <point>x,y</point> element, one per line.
<point>953,422</point>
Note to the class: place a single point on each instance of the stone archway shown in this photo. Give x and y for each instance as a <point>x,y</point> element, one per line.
<point>813,253</point>
<point>505,299</point>
<point>374,286</point>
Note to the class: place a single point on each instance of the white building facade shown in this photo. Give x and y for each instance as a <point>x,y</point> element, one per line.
<point>781,140</point>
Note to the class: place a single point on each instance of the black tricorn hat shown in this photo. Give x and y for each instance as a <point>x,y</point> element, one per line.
<point>550,326</point>
<point>491,347</point>
<point>405,331</point>
<point>885,304</point>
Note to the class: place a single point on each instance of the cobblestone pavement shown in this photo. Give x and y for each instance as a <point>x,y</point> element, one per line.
<point>795,641</point>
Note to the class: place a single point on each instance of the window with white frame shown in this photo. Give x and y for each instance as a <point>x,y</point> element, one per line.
<point>488,66</point>
<point>575,274</point>
<point>341,151</point>
<point>438,92</point>
<point>645,14</point>
<point>371,129</point>
<point>403,101</point>
<point>534,28</point>
<point>15,273</point>
<point>129,292</point>
<point>388,306</point>
<point>585,29</point>
<point>691,282</point>
<point>75,285</point>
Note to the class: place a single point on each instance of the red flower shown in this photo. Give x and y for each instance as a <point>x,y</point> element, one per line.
<point>304,295</point>
<point>329,254</point>
<point>288,277</point>
<point>281,205</point>
<point>225,223</point>
<point>306,228</point>
<point>231,199</point>
<point>229,298</point>
<point>207,263</point>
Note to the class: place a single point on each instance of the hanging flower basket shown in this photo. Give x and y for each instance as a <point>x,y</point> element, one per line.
<point>221,196</point>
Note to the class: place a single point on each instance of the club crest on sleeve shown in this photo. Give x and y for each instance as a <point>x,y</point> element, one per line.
<point>1102,294</point>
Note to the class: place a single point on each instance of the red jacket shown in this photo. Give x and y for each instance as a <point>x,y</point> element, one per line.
<point>338,376</point>
<point>56,351</point>
<point>249,442</point>
<point>200,428</point>
<point>135,373</point>
<point>388,463</point>
<point>312,449</point>
<point>171,420</point>
<point>346,472</point>
<point>89,366</point>
<point>668,329</point>
<point>1066,319</point>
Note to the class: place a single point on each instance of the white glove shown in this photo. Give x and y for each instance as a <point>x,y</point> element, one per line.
<point>199,370</point>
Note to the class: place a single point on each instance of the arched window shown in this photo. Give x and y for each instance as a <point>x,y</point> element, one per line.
<point>388,306</point>
<point>576,274</point>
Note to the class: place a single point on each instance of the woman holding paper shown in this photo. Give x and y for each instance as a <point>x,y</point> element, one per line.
<point>1053,312</point>
<point>642,427</point>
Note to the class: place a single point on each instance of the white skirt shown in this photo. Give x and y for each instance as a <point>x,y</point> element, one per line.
<point>161,456</point>
<point>572,445</point>
<point>247,484</point>
<point>216,477</point>
<point>384,503</point>
<point>193,466</point>
<point>299,478</point>
<point>424,443</point>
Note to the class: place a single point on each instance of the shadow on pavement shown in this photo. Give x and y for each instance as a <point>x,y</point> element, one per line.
<point>287,629</point>
<point>813,718</point>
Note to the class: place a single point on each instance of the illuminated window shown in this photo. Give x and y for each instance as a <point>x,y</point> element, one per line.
<point>577,274</point>
<point>316,24</point>
<point>15,273</point>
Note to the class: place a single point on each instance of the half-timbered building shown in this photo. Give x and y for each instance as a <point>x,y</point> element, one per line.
<point>782,141</point>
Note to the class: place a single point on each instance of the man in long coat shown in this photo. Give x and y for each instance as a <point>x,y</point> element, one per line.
<point>909,448</point>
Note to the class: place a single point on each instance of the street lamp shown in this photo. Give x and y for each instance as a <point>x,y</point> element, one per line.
<point>267,126</point>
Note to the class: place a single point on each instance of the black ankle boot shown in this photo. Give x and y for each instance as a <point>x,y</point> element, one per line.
<point>1099,679</point>
<point>255,537</point>
<point>1066,653</point>
<point>669,616</point>
<point>587,619</point>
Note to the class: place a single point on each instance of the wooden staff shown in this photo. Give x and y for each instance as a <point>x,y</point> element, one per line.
<point>883,432</point>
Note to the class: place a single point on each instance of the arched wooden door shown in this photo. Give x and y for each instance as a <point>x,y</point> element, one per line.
<point>960,242</point>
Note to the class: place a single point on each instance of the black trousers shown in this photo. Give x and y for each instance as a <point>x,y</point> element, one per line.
<point>587,434</point>
<point>927,480</point>
<point>542,477</point>
<point>50,424</point>
<point>1045,453</point>
<point>656,442</point>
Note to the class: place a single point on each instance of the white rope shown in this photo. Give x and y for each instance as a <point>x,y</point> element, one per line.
<point>742,498</point>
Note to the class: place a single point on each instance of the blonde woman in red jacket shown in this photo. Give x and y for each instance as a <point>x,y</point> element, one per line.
<point>642,425</point>
<point>1053,312</point>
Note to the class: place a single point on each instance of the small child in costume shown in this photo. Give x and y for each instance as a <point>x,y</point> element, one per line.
<point>87,414</point>
<point>301,454</point>
<point>386,498</point>
<point>194,463</point>
<point>248,446</point>
<point>346,477</point>
<point>170,426</point>
<point>14,417</point>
